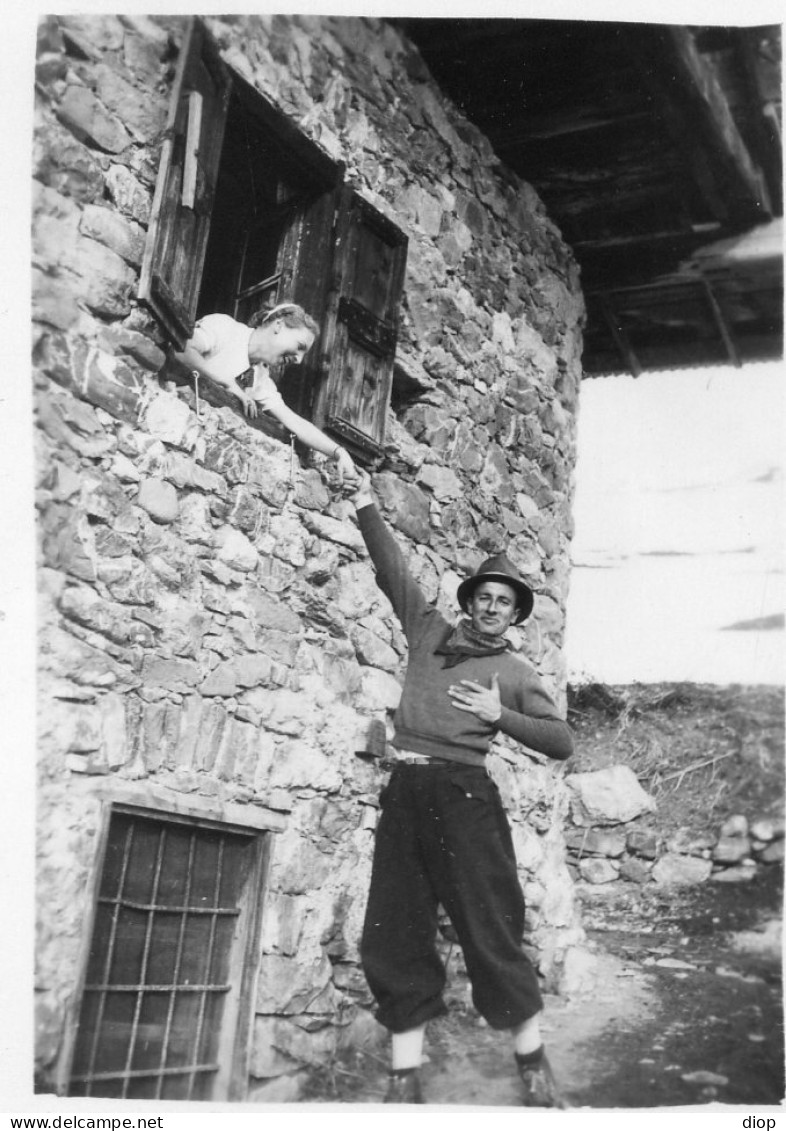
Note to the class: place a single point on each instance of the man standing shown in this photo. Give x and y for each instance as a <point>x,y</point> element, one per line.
<point>443,835</point>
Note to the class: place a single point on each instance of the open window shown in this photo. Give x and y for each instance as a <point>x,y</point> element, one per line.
<point>248,212</point>
<point>164,1009</point>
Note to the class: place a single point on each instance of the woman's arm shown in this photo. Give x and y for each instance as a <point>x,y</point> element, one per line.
<point>312,437</point>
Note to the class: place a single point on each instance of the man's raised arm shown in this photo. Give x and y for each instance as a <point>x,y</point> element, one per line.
<point>393,575</point>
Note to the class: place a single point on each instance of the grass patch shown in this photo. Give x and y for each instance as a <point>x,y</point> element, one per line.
<point>702,751</point>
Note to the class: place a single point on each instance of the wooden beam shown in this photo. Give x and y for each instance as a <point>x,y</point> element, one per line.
<point>618,334</point>
<point>562,125</point>
<point>764,119</point>
<point>720,322</point>
<point>673,284</point>
<point>697,116</point>
<point>683,355</point>
<point>694,235</point>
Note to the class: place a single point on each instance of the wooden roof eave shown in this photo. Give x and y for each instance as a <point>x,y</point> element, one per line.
<point>696,115</point>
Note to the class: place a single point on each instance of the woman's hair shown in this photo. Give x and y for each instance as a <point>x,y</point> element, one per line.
<point>290,314</point>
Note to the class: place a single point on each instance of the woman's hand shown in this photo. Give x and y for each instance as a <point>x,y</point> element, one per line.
<point>483,702</point>
<point>346,468</point>
<point>249,404</point>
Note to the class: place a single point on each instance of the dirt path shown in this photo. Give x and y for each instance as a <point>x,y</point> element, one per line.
<point>684,1008</point>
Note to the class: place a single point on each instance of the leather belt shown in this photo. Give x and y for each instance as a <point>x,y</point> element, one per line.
<point>410,758</point>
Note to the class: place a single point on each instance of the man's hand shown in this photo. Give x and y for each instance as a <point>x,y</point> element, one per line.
<point>362,489</point>
<point>483,702</point>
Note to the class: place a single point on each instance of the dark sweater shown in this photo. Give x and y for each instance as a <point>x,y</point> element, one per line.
<point>426,721</point>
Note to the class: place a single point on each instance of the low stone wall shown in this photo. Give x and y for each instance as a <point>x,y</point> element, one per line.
<point>211,635</point>
<point>613,837</point>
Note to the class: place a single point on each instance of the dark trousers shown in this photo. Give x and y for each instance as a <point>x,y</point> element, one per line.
<point>443,837</point>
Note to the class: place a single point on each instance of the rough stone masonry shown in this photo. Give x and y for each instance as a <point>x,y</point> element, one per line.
<point>211,638</point>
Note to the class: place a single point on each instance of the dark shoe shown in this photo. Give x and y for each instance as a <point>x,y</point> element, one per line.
<point>540,1087</point>
<point>404,1088</point>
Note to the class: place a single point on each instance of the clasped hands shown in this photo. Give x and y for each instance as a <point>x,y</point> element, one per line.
<point>347,473</point>
<point>360,486</point>
<point>483,702</point>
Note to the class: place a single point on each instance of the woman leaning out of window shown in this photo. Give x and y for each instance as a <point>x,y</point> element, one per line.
<point>222,350</point>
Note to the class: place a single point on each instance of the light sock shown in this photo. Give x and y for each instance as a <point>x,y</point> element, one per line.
<point>527,1038</point>
<point>407,1048</point>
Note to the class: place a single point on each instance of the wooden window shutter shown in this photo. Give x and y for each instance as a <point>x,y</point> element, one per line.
<point>305,279</point>
<point>359,339</point>
<point>180,219</point>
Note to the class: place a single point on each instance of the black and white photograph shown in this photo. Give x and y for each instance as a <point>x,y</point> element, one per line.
<point>392,611</point>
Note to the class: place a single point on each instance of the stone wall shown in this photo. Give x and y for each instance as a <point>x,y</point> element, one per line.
<point>211,638</point>
<point>611,844</point>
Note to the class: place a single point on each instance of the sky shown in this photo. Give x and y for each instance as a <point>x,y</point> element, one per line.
<point>679,527</point>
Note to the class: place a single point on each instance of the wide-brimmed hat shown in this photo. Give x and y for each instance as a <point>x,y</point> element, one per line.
<point>498,568</point>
